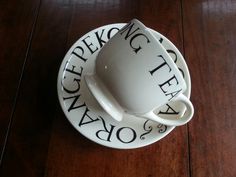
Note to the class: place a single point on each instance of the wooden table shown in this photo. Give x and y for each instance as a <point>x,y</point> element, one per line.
<point>37,140</point>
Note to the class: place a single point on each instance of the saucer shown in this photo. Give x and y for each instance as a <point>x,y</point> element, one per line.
<point>85,113</point>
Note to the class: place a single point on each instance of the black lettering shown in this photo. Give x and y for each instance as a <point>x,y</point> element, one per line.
<point>176,57</point>
<point>171,52</point>
<point>72,106</point>
<point>173,94</point>
<point>77,81</point>
<point>168,83</point>
<point>99,38</point>
<point>161,65</point>
<point>169,110</point>
<point>75,52</point>
<point>147,129</point>
<point>162,128</point>
<point>70,91</point>
<point>182,72</point>
<point>129,28</point>
<point>161,40</point>
<point>72,70</point>
<point>89,46</point>
<point>139,47</point>
<point>105,132</point>
<point>86,119</point>
<point>110,30</point>
<point>126,141</point>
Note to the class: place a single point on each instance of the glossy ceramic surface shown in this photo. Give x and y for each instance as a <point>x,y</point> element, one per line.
<point>135,75</point>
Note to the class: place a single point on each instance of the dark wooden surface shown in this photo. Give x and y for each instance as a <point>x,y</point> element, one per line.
<point>36,139</point>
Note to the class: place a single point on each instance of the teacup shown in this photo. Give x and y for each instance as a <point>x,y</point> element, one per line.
<point>135,75</point>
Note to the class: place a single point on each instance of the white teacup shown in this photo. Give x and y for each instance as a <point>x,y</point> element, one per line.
<point>135,75</point>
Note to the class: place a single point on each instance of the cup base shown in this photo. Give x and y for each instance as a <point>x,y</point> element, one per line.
<point>103,96</point>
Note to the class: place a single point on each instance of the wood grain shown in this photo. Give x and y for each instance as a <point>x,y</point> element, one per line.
<point>26,151</point>
<point>16,24</point>
<point>41,141</point>
<point>210,51</point>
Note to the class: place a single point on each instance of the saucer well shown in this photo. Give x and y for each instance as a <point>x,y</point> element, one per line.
<point>84,112</point>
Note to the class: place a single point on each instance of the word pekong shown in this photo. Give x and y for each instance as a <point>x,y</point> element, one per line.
<point>131,33</point>
<point>103,130</point>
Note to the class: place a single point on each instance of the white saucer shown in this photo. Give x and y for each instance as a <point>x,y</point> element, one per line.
<point>83,111</point>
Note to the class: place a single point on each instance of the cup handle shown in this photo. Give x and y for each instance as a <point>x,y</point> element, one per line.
<point>177,122</point>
